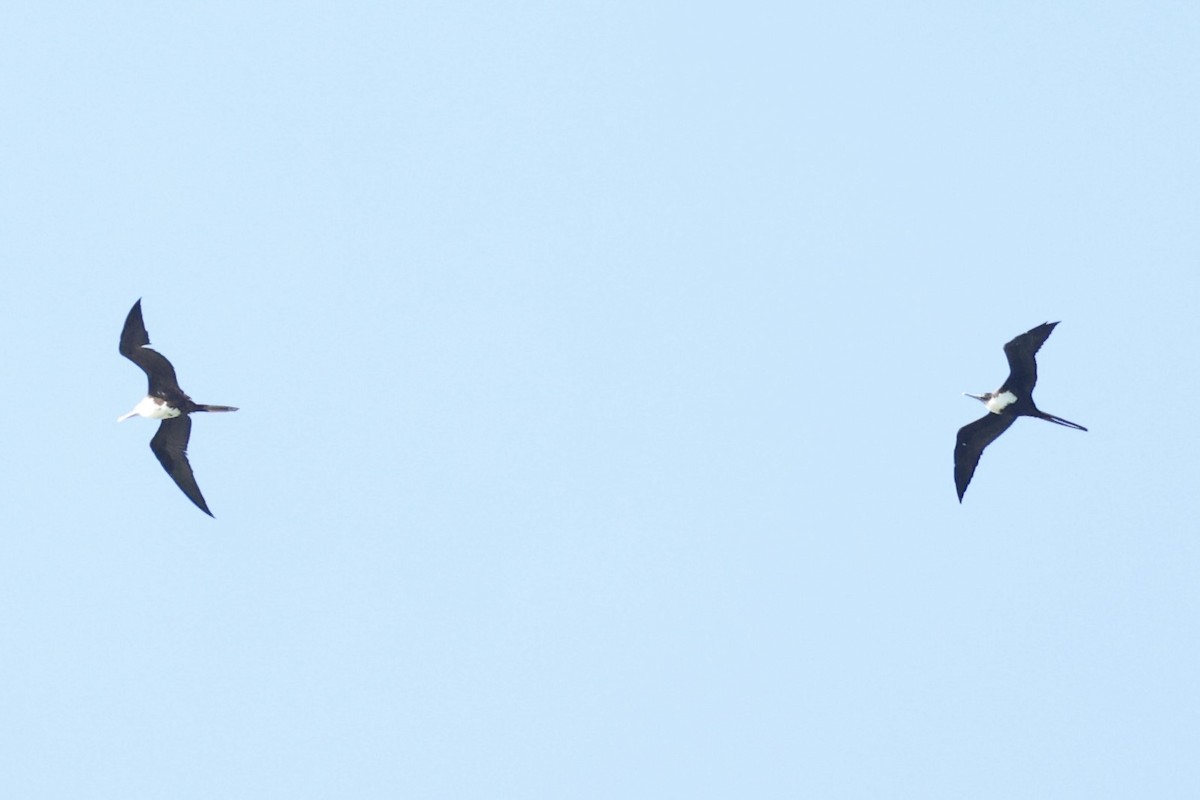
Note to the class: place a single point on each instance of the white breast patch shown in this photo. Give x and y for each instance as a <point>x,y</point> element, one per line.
<point>155,408</point>
<point>1001,401</point>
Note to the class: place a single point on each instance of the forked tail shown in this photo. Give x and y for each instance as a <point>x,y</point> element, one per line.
<point>202,407</point>
<point>1061,421</point>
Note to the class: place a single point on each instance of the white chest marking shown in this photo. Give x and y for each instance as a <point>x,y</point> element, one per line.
<point>153,408</point>
<point>999,402</point>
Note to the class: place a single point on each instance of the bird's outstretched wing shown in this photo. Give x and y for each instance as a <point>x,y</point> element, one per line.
<point>170,445</point>
<point>1022,366</point>
<point>134,341</point>
<point>972,439</point>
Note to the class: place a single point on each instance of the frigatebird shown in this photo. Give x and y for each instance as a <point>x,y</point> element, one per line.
<point>166,401</point>
<point>1013,399</point>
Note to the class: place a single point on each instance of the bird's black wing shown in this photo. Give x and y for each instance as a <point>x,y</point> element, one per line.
<point>134,341</point>
<point>972,439</point>
<point>170,445</point>
<point>1022,366</point>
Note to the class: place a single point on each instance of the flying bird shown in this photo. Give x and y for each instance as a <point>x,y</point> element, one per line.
<point>166,401</point>
<point>1013,399</point>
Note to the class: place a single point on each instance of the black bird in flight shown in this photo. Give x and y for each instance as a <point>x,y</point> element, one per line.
<point>166,401</point>
<point>1013,399</point>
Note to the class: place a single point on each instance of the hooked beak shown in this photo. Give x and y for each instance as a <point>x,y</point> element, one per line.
<point>976,396</point>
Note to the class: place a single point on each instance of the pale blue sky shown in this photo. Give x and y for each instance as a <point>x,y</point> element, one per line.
<point>599,368</point>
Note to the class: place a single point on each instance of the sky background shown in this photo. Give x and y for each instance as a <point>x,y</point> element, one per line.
<point>599,368</point>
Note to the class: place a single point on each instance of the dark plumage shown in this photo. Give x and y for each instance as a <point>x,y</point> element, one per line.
<point>1013,399</point>
<point>164,401</point>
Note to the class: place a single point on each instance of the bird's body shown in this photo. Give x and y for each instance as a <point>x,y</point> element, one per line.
<point>1013,399</point>
<point>152,407</point>
<point>164,401</point>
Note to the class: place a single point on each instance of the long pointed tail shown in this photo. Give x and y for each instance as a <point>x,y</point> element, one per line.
<point>202,407</point>
<point>1060,421</point>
